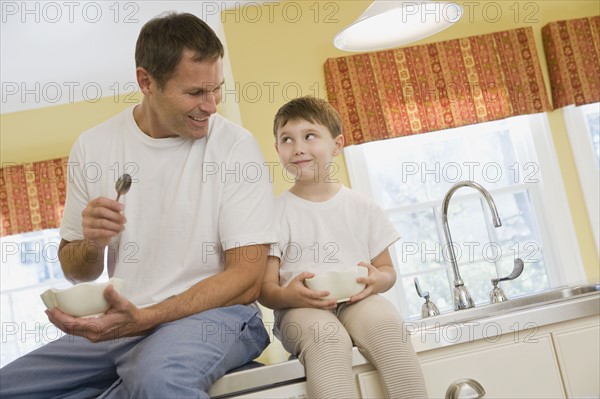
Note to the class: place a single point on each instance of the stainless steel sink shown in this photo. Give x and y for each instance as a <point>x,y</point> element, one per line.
<point>554,295</point>
<point>514,304</point>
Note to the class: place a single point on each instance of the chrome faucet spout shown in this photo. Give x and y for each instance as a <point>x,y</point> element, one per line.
<point>462,298</point>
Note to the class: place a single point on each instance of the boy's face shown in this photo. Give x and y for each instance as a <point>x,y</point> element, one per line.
<point>307,149</point>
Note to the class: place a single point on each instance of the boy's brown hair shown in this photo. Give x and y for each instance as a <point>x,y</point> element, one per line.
<point>162,40</point>
<point>311,109</point>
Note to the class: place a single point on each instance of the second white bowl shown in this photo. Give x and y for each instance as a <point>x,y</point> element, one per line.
<point>341,284</point>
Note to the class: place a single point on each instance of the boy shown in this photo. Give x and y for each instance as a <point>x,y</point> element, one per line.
<point>326,226</point>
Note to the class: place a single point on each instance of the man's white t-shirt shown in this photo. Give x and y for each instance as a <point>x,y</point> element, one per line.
<point>335,234</point>
<point>190,200</point>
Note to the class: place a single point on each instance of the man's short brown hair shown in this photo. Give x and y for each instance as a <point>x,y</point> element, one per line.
<point>162,40</point>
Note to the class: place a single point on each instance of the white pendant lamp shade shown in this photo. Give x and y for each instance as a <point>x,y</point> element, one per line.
<point>391,23</point>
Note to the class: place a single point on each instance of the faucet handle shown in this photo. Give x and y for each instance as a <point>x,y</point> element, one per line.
<point>428,308</point>
<point>419,291</point>
<point>497,294</point>
<point>516,272</point>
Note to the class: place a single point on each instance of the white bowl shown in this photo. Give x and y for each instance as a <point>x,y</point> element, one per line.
<point>341,284</point>
<point>81,300</point>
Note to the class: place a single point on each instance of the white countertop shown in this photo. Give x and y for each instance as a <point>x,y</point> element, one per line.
<point>427,334</point>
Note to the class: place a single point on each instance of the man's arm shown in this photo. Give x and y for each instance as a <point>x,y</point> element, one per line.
<point>239,283</point>
<point>271,292</point>
<point>83,260</point>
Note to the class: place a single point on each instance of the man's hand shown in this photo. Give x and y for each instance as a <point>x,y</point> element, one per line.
<point>122,319</point>
<point>102,219</point>
<point>83,260</point>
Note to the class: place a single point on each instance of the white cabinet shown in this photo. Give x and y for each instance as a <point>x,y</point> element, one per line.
<point>577,348</point>
<point>556,361</point>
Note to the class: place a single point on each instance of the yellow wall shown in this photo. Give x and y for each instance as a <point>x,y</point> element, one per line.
<point>48,133</point>
<point>278,51</point>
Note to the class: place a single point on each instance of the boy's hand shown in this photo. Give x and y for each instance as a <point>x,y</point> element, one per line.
<point>300,296</point>
<point>375,282</point>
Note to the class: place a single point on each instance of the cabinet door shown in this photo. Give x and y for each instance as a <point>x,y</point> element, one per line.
<point>506,369</point>
<point>369,385</point>
<point>578,353</point>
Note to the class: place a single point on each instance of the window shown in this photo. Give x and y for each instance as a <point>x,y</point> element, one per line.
<point>29,267</point>
<point>583,127</point>
<point>408,177</point>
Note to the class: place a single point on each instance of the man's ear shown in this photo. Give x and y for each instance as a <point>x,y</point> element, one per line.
<point>339,145</point>
<point>144,80</point>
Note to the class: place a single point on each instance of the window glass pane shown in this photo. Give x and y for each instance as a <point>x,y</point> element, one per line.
<point>518,238</point>
<point>393,173</point>
<point>22,263</point>
<point>467,227</point>
<point>405,171</point>
<point>29,267</point>
<point>593,122</point>
<point>487,157</point>
<point>418,248</point>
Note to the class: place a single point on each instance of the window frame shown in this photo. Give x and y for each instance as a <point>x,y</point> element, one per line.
<point>586,163</point>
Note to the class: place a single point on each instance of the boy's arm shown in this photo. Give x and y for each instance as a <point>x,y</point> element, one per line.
<point>381,278</point>
<point>293,295</point>
<point>383,264</point>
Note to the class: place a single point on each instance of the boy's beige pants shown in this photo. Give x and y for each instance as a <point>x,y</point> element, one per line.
<point>323,341</point>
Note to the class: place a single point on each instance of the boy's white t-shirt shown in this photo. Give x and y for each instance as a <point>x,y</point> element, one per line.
<point>335,234</point>
<point>189,201</point>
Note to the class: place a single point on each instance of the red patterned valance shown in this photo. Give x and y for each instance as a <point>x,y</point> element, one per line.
<point>32,196</point>
<point>573,55</point>
<point>436,86</point>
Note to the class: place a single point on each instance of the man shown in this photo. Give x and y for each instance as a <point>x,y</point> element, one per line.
<point>189,238</point>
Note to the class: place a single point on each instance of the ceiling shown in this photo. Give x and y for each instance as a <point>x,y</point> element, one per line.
<point>63,52</point>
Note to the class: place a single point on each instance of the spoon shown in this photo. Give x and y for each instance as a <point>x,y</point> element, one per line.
<point>123,185</point>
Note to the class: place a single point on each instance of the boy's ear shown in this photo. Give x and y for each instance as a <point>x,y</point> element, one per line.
<point>339,145</point>
<point>276,148</point>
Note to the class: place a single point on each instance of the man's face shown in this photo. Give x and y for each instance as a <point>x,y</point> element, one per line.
<point>187,100</point>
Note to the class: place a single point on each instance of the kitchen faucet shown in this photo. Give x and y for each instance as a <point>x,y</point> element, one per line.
<point>462,298</point>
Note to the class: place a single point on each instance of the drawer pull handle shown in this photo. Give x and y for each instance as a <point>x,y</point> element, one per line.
<point>465,389</point>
